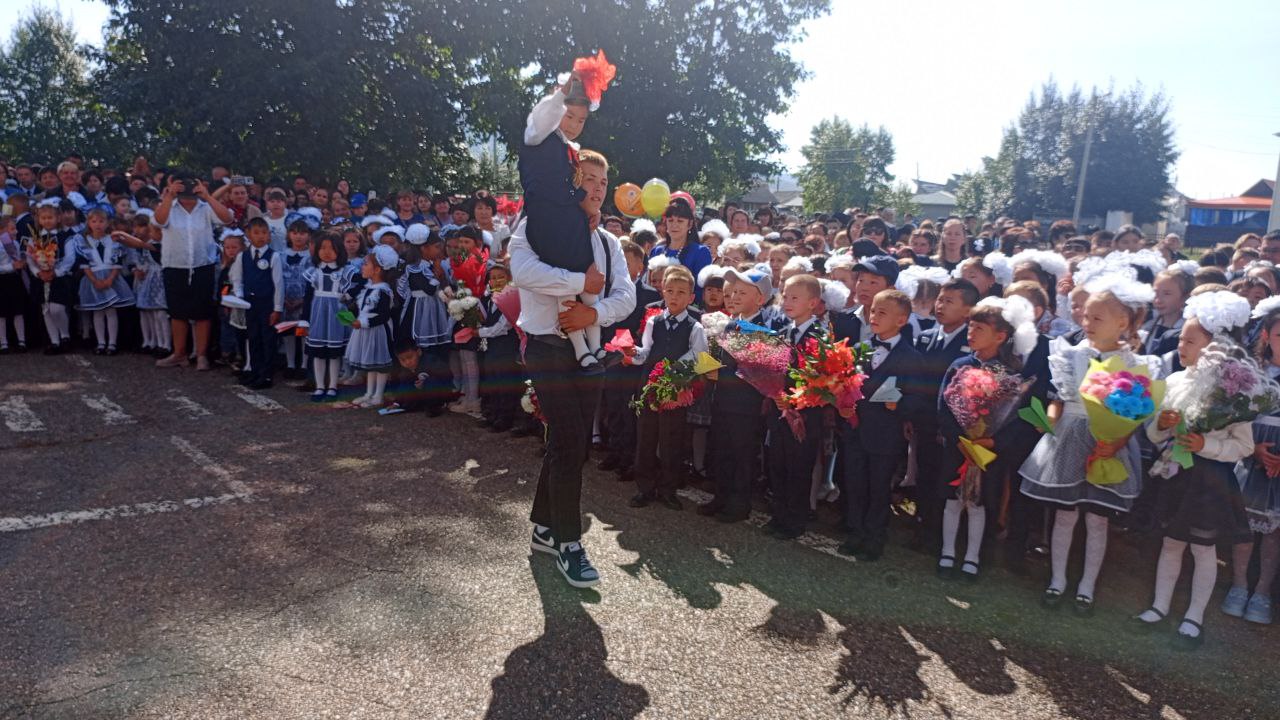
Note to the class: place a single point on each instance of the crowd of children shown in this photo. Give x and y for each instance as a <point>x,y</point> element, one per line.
<point>411,300</point>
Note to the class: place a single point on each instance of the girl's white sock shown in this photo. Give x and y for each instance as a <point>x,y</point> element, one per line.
<point>113,327</point>
<point>977,518</point>
<point>335,366</point>
<point>100,327</point>
<point>148,329</point>
<point>319,365</point>
<point>4,332</point>
<point>20,328</point>
<point>1202,580</point>
<point>1167,571</point>
<point>164,328</point>
<point>1095,549</point>
<point>950,529</point>
<point>379,386</point>
<point>471,376</point>
<point>1064,528</point>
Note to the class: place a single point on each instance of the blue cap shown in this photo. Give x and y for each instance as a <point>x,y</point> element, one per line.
<point>358,200</point>
<point>882,265</point>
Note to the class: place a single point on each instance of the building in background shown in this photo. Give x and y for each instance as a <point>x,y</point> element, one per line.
<point>1225,219</point>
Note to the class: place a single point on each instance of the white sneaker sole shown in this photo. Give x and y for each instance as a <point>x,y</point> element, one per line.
<point>580,584</point>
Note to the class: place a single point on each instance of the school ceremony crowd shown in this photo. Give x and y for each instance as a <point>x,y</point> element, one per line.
<point>998,387</point>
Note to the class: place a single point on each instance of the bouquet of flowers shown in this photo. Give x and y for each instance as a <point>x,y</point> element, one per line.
<point>529,402</point>
<point>715,325</point>
<point>1117,399</point>
<point>829,374</point>
<point>1221,389</point>
<point>464,308</point>
<point>671,385</point>
<point>762,358</point>
<point>469,270</point>
<point>982,400</point>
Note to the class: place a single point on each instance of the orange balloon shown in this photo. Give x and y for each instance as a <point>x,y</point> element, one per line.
<point>627,199</point>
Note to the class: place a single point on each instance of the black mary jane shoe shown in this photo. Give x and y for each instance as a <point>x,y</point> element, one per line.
<point>946,572</point>
<point>112,350</point>
<point>640,499</point>
<point>1051,599</point>
<point>1188,643</point>
<point>969,577</point>
<point>1083,607</point>
<point>1147,627</point>
<point>100,350</point>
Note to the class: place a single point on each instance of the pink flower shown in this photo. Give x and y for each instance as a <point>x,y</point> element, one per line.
<point>1124,385</point>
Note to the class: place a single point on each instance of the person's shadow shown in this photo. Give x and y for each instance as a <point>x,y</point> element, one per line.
<point>563,673</point>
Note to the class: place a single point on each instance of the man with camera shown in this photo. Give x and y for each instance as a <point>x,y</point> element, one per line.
<point>187,213</point>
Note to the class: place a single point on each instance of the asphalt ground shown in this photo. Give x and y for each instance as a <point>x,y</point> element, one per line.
<point>174,547</point>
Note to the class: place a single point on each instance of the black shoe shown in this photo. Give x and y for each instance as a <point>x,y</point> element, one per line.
<point>1083,606</point>
<point>1145,627</point>
<point>850,547</point>
<point>543,542</point>
<point>112,350</point>
<point>592,368</point>
<point>434,410</point>
<point>946,572</point>
<point>485,422</point>
<point>640,500</point>
<point>671,502</point>
<point>783,533</point>
<point>728,518</point>
<point>575,567</point>
<point>871,553</point>
<point>969,577</point>
<point>100,350</point>
<point>261,385</point>
<point>245,378</point>
<point>710,508</point>
<point>1051,599</point>
<point>517,431</point>
<point>609,464</point>
<point>500,426</point>
<point>162,353</point>
<point>1187,643</point>
<point>52,349</point>
<point>4,350</point>
<point>612,359</point>
<point>22,347</point>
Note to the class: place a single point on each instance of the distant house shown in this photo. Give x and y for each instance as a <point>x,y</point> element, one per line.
<point>1225,219</point>
<point>757,197</point>
<point>935,203</point>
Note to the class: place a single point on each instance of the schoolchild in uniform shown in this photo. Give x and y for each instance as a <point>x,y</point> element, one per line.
<point>296,261</point>
<point>51,286</point>
<point>257,276</point>
<point>100,261</point>
<point>326,337</point>
<point>425,289</point>
<point>370,346</point>
<point>501,381</point>
<point>13,293</point>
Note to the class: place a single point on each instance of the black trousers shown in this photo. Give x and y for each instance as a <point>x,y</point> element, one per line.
<point>438,388</point>
<point>620,385</point>
<point>796,459</point>
<point>660,433</point>
<point>929,482</point>
<point>501,380</point>
<point>867,486</point>
<point>263,341</point>
<point>735,458</point>
<point>568,399</point>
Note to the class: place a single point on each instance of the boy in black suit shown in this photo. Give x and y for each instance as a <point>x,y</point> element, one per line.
<point>875,273</point>
<point>939,346</point>
<point>791,479</point>
<point>873,449</point>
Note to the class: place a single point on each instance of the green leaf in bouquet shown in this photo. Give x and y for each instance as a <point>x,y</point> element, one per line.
<point>346,317</point>
<point>1180,454</point>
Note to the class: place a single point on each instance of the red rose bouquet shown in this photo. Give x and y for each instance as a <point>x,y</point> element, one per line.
<point>671,385</point>
<point>982,400</point>
<point>828,374</point>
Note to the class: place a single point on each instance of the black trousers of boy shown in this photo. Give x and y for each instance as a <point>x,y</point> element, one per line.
<point>660,433</point>
<point>262,342</point>
<point>568,398</point>
<point>929,484</point>
<point>620,386</point>
<point>438,389</point>
<point>868,485</point>
<point>735,459</point>
<point>795,459</point>
<point>501,380</point>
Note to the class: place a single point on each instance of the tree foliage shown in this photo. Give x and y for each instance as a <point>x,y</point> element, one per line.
<point>845,167</point>
<point>400,90</point>
<point>1040,157</point>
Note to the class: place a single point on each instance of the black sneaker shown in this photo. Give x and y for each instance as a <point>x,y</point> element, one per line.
<point>543,542</point>
<point>576,568</point>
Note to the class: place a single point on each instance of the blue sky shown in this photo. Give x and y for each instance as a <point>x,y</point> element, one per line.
<point>946,77</point>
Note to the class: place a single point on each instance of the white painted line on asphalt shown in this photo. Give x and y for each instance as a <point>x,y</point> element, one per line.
<point>192,409</point>
<point>262,402</point>
<point>83,363</point>
<point>112,414</point>
<point>813,541</point>
<point>72,517</point>
<point>197,456</point>
<point>18,416</point>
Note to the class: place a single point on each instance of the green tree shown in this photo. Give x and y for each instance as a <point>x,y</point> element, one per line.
<point>845,167</point>
<point>898,197</point>
<point>47,102</point>
<point>1040,157</point>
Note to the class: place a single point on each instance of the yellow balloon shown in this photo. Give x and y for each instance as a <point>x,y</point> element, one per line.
<point>654,197</point>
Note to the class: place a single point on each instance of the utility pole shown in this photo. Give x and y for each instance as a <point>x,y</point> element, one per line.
<point>1274,222</point>
<point>1084,170</point>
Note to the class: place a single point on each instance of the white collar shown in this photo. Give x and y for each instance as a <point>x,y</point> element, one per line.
<point>683,314</point>
<point>947,337</point>
<point>891,342</point>
<point>803,327</point>
<point>329,266</point>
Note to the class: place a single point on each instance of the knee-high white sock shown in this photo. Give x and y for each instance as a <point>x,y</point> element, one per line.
<point>100,326</point>
<point>51,325</point>
<point>950,529</point>
<point>1268,560</point>
<point>1202,580</point>
<point>292,358</point>
<point>113,327</point>
<point>592,333</point>
<point>335,366</point>
<point>379,386</point>
<point>57,322</point>
<point>164,329</point>
<point>20,328</point>
<point>1167,572</point>
<point>1095,549</point>
<point>977,517</point>
<point>471,375</point>
<point>148,329</point>
<point>370,381</point>
<point>1064,528</point>
<point>319,365</point>
<point>578,339</point>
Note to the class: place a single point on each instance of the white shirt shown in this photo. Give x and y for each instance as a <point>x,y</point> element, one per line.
<point>943,339</point>
<point>697,338</point>
<point>545,119</point>
<point>279,233</point>
<point>188,237</point>
<point>544,288</point>
<point>795,331</point>
<point>277,274</point>
<point>881,354</point>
